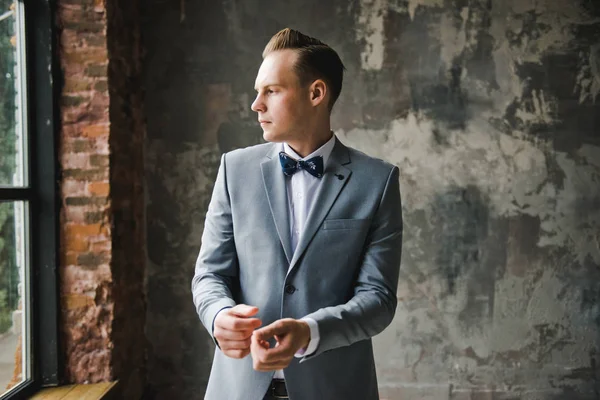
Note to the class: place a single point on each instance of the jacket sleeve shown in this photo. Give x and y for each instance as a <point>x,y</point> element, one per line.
<point>373,305</point>
<point>217,265</point>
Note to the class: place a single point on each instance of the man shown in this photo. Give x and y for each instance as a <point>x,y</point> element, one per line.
<point>300,254</point>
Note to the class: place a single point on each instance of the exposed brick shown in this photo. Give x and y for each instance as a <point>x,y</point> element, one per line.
<point>78,146</point>
<point>84,230</point>
<point>75,214</point>
<point>75,300</point>
<point>99,5</point>
<point>101,86</point>
<point>82,280</point>
<point>90,283</point>
<point>86,56</point>
<point>69,258</point>
<point>73,187</point>
<point>75,85</point>
<point>94,217</point>
<point>75,15</point>
<point>75,243</point>
<point>104,245</point>
<point>86,128</point>
<point>99,188</point>
<point>99,160</point>
<point>71,70</point>
<point>71,39</point>
<point>74,116</point>
<point>97,174</point>
<point>73,161</point>
<point>92,259</point>
<point>86,201</point>
<point>102,147</point>
<point>70,101</point>
<point>96,70</point>
<point>100,100</point>
<point>85,26</point>
<point>95,39</point>
<point>92,131</point>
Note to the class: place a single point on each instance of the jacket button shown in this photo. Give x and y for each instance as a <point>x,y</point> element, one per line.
<point>290,289</point>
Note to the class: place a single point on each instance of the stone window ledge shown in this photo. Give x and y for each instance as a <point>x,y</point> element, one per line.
<point>95,391</point>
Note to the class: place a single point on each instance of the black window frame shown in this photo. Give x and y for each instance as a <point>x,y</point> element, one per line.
<point>43,94</point>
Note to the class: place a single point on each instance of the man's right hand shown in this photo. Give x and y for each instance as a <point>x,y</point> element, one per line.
<point>233,330</point>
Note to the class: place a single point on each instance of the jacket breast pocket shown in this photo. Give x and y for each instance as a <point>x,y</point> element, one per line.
<point>337,224</point>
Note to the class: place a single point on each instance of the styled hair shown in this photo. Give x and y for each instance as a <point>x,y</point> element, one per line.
<point>316,60</point>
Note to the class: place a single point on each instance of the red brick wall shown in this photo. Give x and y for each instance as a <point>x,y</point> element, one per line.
<point>86,216</point>
<point>101,275</point>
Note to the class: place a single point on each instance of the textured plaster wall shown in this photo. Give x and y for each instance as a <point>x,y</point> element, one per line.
<point>491,111</point>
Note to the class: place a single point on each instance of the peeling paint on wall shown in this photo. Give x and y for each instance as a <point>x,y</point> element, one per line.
<point>414,4</point>
<point>588,78</point>
<point>371,31</point>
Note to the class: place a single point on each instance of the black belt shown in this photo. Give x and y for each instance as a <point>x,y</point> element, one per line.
<point>277,389</point>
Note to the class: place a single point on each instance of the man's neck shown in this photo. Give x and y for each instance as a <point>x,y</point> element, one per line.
<point>305,147</point>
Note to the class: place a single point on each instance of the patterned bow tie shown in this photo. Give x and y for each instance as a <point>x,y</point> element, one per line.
<point>290,166</point>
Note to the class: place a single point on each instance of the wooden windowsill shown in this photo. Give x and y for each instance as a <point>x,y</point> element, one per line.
<point>95,391</point>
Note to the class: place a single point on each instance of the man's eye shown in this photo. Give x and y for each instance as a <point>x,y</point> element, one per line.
<point>270,91</point>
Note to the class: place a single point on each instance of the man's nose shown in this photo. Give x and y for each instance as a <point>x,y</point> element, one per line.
<point>257,105</point>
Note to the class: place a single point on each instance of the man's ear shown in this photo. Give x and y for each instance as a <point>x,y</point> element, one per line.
<point>318,92</point>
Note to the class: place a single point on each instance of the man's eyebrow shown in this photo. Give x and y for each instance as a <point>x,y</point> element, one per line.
<point>268,85</point>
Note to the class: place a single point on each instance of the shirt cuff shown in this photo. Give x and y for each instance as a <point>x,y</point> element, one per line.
<point>314,339</point>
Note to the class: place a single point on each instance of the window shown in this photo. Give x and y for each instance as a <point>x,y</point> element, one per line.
<point>28,294</point>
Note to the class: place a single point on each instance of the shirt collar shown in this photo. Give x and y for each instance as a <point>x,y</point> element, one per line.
<point>324,151</point>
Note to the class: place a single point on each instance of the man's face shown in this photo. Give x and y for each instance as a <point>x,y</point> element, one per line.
<point>281,102</point>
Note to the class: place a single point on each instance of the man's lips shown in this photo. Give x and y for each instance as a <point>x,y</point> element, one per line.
<point>262,122</point>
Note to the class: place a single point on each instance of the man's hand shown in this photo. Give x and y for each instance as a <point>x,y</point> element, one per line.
<point>291,335</point>
<point>233,330</point>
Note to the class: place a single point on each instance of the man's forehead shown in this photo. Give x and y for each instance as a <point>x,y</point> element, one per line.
<point>276,69</point>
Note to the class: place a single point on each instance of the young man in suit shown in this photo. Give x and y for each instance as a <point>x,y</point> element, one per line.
<point>300,254</point>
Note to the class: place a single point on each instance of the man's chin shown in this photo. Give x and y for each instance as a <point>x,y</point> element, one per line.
<point>270,137</point>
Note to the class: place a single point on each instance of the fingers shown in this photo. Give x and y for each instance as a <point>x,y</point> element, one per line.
<point>244,310</point>
<point>266,358</point>
<point>277,328</point>
<point>233,322</point>
<point>226,334</point>
<point>285,348</point>
<point>291,335</point>
<point>233,330</point>
<point>235,348</point>
<point>262,360</point>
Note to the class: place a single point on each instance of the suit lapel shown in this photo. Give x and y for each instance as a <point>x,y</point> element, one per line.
<point>274,181</point>
<point>334,179</point>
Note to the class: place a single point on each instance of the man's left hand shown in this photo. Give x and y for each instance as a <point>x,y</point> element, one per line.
<point>291,335</point>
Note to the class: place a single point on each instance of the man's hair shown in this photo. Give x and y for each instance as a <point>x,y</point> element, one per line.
<point>316,60</point>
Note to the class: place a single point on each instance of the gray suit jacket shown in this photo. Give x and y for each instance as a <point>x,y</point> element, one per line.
<point>343,274</point>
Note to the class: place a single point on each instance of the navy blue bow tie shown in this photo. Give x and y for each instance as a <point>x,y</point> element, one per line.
<point>290,165</point>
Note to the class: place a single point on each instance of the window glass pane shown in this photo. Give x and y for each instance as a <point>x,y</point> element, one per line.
<point>12,96</point>
<point>14,304</point>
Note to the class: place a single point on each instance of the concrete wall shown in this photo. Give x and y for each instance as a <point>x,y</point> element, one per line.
<point>491,111</point>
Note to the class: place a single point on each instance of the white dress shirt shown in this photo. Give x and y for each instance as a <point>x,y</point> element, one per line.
<point>302,189</point>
